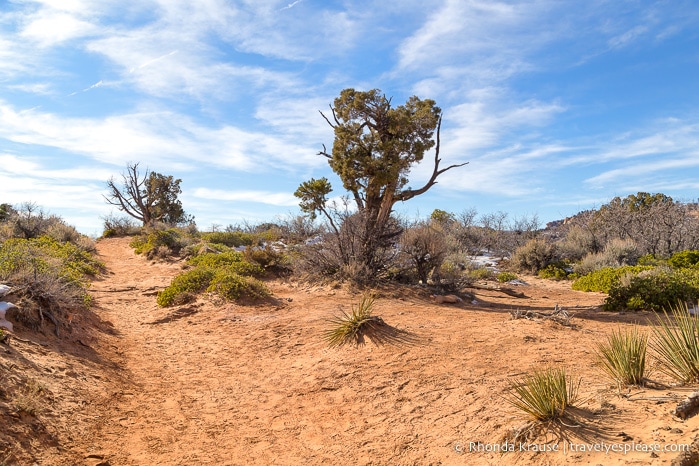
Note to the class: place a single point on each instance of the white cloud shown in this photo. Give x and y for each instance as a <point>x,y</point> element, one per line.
<point>50,29</point>
<point>262,197</point>
<point>156,138</point>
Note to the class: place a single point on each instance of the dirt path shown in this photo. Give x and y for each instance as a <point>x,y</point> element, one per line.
<point>234,385</point>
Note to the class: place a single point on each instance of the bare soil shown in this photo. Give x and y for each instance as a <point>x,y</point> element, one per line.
<point>228,384</point>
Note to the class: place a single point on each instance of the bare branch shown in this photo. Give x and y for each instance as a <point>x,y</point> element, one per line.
<point>411,193</point>
<point>324,152</point>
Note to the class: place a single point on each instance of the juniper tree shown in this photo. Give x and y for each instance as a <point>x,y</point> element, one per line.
<point>374,149</point>
<point>150,197</point>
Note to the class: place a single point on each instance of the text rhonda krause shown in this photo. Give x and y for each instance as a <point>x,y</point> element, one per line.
<point>607,448</point>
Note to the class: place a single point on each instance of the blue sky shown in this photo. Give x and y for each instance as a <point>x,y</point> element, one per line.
<point>557,105</point>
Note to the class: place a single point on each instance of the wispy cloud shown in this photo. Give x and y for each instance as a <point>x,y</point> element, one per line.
<point>262,197</point>
<point>155,137</point>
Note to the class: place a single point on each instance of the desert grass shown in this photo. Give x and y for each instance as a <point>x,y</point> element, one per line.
<point>544,395</point>
<point>622,356</point>
<point>29,398</point>
<point>677,346</point>
<point>351,327</point>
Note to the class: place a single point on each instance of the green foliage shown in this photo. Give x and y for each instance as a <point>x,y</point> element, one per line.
<point>232,261</point>
<point>313,194</point>
<point>545,394</point>
<point>654,290</point>
<point>166,207</point>
<point>376,144</point>
<point>185,285</point>
<point>554,272</point>
<point>46,255</point>
<point>481,273</point>
<point>442,216</point>
<point>161,242</point>
<point>375,147</point>
<point>232,239</point>
<point>685,259</point>
<point>603,279</point>
<point>231,286</point>
<point>651,260</point>
<point>677,346</point>
<point>226,274</point>
<point>504,277</point>
<point>623,356</point>
<point>49,274</point>
<point>351,328</point>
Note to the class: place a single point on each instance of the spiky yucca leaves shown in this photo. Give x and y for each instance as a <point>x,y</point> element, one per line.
<point>623,356</point>
<point>677,346</point>
<point>351,327</point>
<point>545,394</point>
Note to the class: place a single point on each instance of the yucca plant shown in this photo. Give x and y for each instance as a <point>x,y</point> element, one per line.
<point>545,394</point>
<point>623,356</point>
<point>352,327</point>
<point>677,346</point>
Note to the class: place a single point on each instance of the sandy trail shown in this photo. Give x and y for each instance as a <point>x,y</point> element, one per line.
<point>227,384</point>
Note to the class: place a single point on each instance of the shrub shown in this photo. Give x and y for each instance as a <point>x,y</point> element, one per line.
<point>617,253</point>
<point>685,259</point>
<point>232,239</point>
<point>677,346</point>
<point>603,279</point>
<point>651,260</point>
<point>51,275</point>
<point>545,394</point>
<point>623,356</point>
<point>226,274</point>
<point>29,398</point>
<point>653,289</point>
<point>481,273</point>
<point>183,286</point>
<point>578,243</point>
<point>119,226</point>
<point>452,276</point>
<point>554,272</point>
<point>504,277</point>
<point>535,255</point>
<point>232,286</point>
<point>425,246</point>
<point>162,243</point>
<point>268,258</point>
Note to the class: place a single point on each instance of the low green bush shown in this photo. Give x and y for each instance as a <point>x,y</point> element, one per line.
<point>554,272</point>
<point>654,290</point>
<point>162,242</point>
<point>603,279</point>
<point>50,275</point>
<point>232,286</point>
<point>226,274</point>
<point>685,259</point>
<point>185,285</point>
<point>232,239</point>
<point>504,277</point>
<point>481,273</point>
